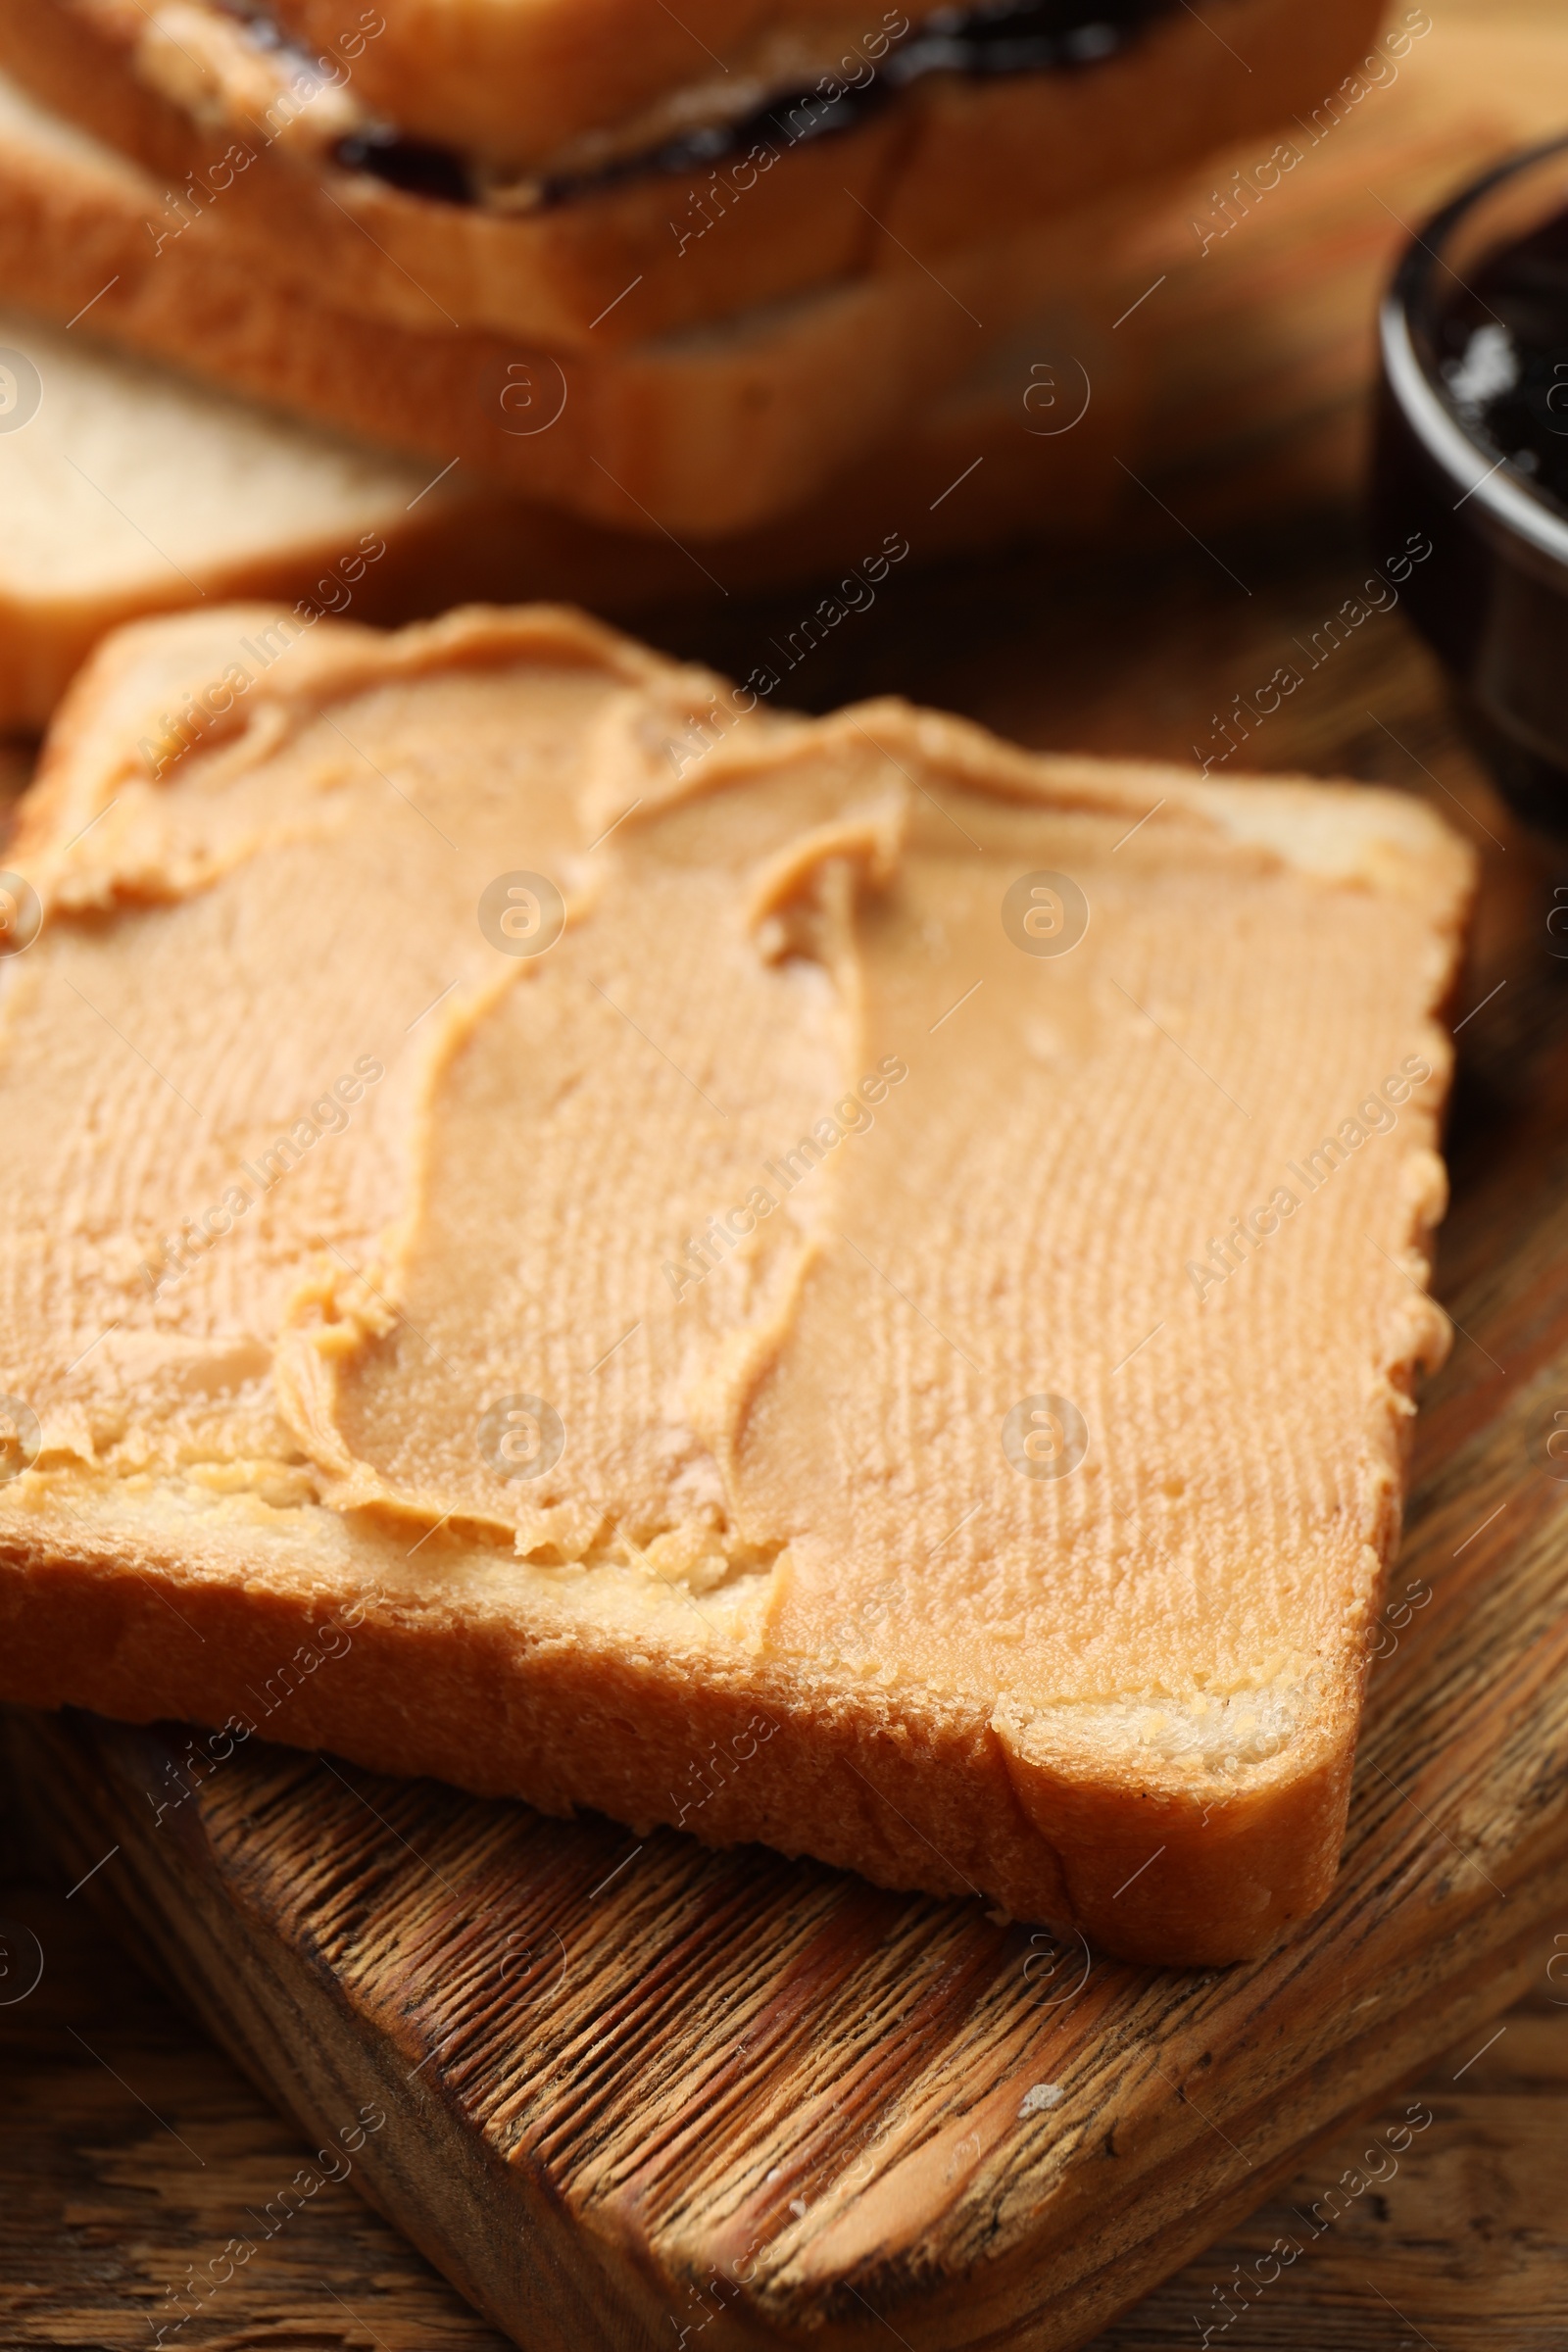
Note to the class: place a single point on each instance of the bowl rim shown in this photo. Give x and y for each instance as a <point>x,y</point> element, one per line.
<point>1504,496</point>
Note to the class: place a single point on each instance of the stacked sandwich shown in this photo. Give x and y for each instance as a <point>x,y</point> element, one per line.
<point>674,272</point>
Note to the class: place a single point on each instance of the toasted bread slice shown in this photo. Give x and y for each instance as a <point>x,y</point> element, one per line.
<point>830,1282</point>
<point>700,434</point>
<point>130,490</point>
<point>601,241</point>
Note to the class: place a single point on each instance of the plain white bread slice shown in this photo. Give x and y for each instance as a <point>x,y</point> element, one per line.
<point>125,490</point>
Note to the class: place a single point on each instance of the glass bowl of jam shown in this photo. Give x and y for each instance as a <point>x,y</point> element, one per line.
<point>1472,456</point>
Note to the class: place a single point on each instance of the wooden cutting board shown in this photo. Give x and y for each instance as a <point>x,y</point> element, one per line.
<point>638,2094</point>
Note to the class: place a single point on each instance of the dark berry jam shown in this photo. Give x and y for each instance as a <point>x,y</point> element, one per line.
<point>1502,354</point>
<point>1471,450</point>
<point>1015,36</point>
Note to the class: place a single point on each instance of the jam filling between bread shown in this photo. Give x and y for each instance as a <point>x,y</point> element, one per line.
<point>987,43</point>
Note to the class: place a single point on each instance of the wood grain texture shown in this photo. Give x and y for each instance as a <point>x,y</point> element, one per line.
<point>582,2131</point>
<point>104,2215</point>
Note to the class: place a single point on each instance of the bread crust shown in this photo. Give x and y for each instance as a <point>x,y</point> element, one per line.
<point>509,1682</point>
<point>565,1724</point>
<point>934,172</point>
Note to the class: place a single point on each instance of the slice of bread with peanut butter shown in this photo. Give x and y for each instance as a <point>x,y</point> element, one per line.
<point>831,1281</point>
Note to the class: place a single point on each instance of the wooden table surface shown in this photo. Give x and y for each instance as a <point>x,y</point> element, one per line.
<point>130,2146</point>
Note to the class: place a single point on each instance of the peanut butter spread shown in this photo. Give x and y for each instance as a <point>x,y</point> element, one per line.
<point>501,1122</point>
